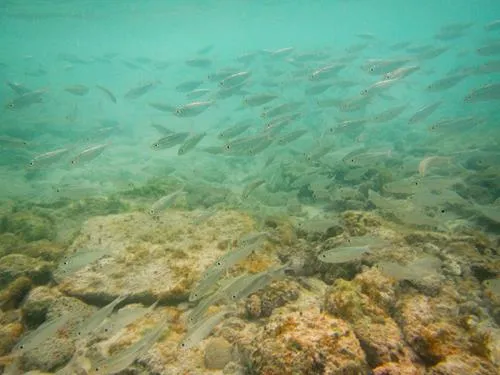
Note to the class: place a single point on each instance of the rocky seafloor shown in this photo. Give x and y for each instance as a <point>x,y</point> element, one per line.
<point>348,318</point>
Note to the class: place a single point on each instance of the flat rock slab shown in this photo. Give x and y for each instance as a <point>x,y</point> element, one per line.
<point>150,259</point>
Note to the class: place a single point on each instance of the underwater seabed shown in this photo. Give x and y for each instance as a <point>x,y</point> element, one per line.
<point>350,293</point>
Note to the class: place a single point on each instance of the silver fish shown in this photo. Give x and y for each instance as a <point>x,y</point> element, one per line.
<point>169,141</point>
<point>424,112</point>
<point>201,330</point>
<point>107,92</point>
<point>190,143</point>
<point>165,202</point>
<point>193,109</point>
<point>89,154</point>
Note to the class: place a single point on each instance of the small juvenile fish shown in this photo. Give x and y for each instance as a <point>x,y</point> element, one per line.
<point>108,93</point>
<point>78,90</point>
<point>379,87</point>
<point>251,187</point>
<point>95,319</point>
<point>413,271</point>
<point>44,332</point>
<point>402,72</point>
<point>432,53</point>
<point>445,83</point>
<point>169,141</point>
<point>193,109</point>
<point>317,89</point>
<point>27,99</point>
<point>290,137</point>
<point>424,112</point>
<point>493,26</point>
<point>200,331</point>
<point>489,49</point>
<point>139,91</point>
<point>188,86</point>
<point>326,72</point>
<point>259,99</point>
<point>484,93</point>
<point>380,67</point>
<point>343,254</point>
<point>366,158</point>
<point>389,114</point>
<point>234,131</point>
<point>18,88</point>
<point>77,261</point>
<point>281,109</point>
<point>347,126</point>
<point>199,62</point>
<point>12,142</point>
<point>89,154</point>
<point>197,93</point>
<point>455,124</point>
<point>235,79</point>
<point>429,161</point>
<point>48,158</point>
<point>164,107</point>
<point>165,202</point>
<point>120,361</point>
<point>190,143</point>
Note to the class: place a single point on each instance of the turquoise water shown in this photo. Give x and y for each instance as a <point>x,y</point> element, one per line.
<point>291,115</point>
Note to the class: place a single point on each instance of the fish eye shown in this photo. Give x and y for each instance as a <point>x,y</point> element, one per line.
<point>228,147</point>
<point>372,69</point>
<point>32,163</point>
<point>11,105</point>
<point>73,162</point>
<point>443,211</point>
<point>219,263</point>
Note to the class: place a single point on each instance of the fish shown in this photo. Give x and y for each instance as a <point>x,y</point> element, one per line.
<point>201,330</point>
<point>347,126</point>
<point>89,154</point>
<point>193,109</point>
<point>291,136</point>
<point>77,261</point>
<point>12,142</point>
<point>424,112</point>
<point>235,130</point>
<point>26,100</point>
<point>188,86</point>
<point>429,161</point>
<point>418,269</point>
<point>235,79</point>
<point>165,202</point>
<point>389,114</point>
<point>380,67</point>
<point>492,26</point>
<point>190,143</point>
<point>491,49</point>
<point>379,87</point>
<point>384,203</point>
<point>326,72</point>
<point>455,124</point>
<point>123,359</point>
<point>95,319</point>
<point>164,107</point>
<point>343,254</point>
<point>107,92</point>
<point>281,109</point>
<point>366,158</point>
<point>259,99</point>
<point>485,93</point>
<point>48,158</point>
<point>251,187</point>
<point>199,62</point>
<point>44,332</point>
<point>431,53</point>
<point>277,124</point>
<point>445,83</point>
<point>402,72</point>
<point>169,141</point>
<point>138,91</point>
<point>78,90</point>
<point>18,88</point>
<point>197,93</point>
<point>318,88</point>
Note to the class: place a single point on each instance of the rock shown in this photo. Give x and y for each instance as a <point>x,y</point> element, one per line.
<point>43,249</point>
<point>16,265</point>
<point>366,303</point>
<point>276,295</point>
<point>218,353</point>
<point>29,225</point>
<point>307,342</point>
<point>52,354</point>
<point>9,242</point>
<point>463,364</point>
<point>11,297</point>
<point>9,334</point>
<point>37,305</point>
<point>150,259</point>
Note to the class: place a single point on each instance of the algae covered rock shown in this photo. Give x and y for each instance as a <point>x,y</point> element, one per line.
<point>12,296</point>
<point>15,265</point>
<point>218,353</point>
<point>29,225</point>
<point>148,258</point>
<point>307,342</point>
